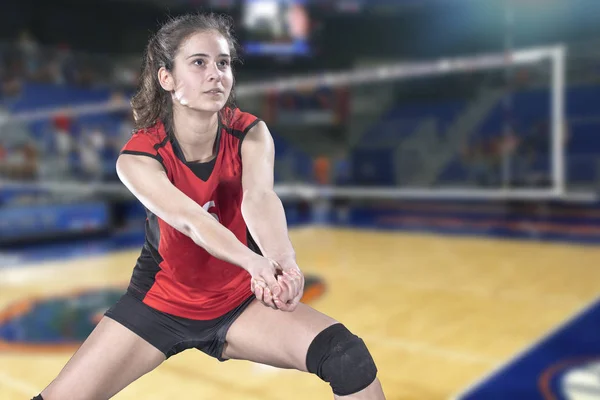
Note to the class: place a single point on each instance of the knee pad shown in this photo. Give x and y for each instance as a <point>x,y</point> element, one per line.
<point>341,359</point>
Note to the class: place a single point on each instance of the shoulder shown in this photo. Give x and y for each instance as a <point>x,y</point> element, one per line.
<point>238,122</point>
<point>146,140</point>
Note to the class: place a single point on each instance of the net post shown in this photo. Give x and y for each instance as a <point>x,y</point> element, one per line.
<point>557,108</point>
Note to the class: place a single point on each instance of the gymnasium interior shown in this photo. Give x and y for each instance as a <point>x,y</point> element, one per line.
<point>438,161</point>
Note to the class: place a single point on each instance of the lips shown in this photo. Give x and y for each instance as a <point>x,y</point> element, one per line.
<point>214,91</point>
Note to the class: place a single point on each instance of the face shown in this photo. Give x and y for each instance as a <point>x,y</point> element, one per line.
<point>201,78</point>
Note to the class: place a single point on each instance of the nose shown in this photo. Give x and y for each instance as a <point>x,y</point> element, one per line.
<point>214,73</point>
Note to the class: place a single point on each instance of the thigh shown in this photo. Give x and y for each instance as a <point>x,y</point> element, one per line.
<point>274,337</point>
<point>110,359</point>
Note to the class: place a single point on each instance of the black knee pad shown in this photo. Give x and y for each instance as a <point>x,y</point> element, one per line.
<point>341,359</point>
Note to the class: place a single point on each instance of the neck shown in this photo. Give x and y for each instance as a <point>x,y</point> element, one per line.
<point>195,133</point>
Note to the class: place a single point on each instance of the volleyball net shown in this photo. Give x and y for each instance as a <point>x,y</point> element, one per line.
<point>489,126</point>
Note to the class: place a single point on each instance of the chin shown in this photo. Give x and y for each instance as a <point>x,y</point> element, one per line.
<point>210,106</point>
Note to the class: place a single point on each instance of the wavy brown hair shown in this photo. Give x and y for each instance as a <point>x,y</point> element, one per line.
<point>152,103</point>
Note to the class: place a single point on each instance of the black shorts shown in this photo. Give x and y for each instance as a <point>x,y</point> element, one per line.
<point>171,334</point>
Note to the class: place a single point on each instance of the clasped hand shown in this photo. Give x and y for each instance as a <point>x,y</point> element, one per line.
<point>279,285</point>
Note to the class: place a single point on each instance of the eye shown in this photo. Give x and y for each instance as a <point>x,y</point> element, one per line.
<point>198,62</point>
<point>224,63</point>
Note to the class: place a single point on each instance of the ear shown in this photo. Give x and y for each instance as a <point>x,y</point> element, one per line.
<point>165,78</point>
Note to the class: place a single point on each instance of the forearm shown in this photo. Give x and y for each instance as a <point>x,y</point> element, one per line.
<point>265,218</point>
<point>218,241</point>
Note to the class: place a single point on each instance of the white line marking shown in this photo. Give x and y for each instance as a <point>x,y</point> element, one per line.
<point>416,347</point>
<point>20,386</point>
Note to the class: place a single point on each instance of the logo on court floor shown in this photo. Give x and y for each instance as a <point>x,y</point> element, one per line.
<point>563,365</point>
<point>573,379</point>
<point>63,322</point>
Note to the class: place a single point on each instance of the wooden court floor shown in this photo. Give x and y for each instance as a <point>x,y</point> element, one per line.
<point>437,312</point>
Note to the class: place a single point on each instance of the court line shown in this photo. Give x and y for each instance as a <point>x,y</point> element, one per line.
<point>521,354</point>
<point>416,347</point>
<point>20,386</point>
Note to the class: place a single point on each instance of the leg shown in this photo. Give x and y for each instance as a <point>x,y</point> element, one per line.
<point>283,340</point>
<point>111,358</point>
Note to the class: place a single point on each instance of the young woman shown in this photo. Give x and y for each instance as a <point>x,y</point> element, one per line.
<point>217,271</point>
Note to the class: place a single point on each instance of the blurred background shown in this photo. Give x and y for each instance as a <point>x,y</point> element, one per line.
<point>470,119</point>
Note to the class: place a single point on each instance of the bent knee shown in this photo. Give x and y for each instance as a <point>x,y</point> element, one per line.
<point>342,359</point>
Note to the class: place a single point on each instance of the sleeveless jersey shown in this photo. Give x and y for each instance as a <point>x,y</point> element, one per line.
<point>173,274</point>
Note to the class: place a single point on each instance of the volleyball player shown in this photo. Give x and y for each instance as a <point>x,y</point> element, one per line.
<point>217,271</point>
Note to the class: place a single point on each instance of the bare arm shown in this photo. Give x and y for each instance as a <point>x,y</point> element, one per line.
<point>262,209</point>
<point>147,180</point>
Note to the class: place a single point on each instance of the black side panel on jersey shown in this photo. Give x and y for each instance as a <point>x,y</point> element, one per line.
<point>152,231</point>
<point>252,244</point>
<point>148,263</point>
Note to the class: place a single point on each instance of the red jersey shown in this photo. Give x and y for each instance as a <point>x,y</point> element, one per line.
<point>173,274</point>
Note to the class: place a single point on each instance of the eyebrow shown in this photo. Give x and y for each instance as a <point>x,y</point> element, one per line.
<point>206,55</point>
